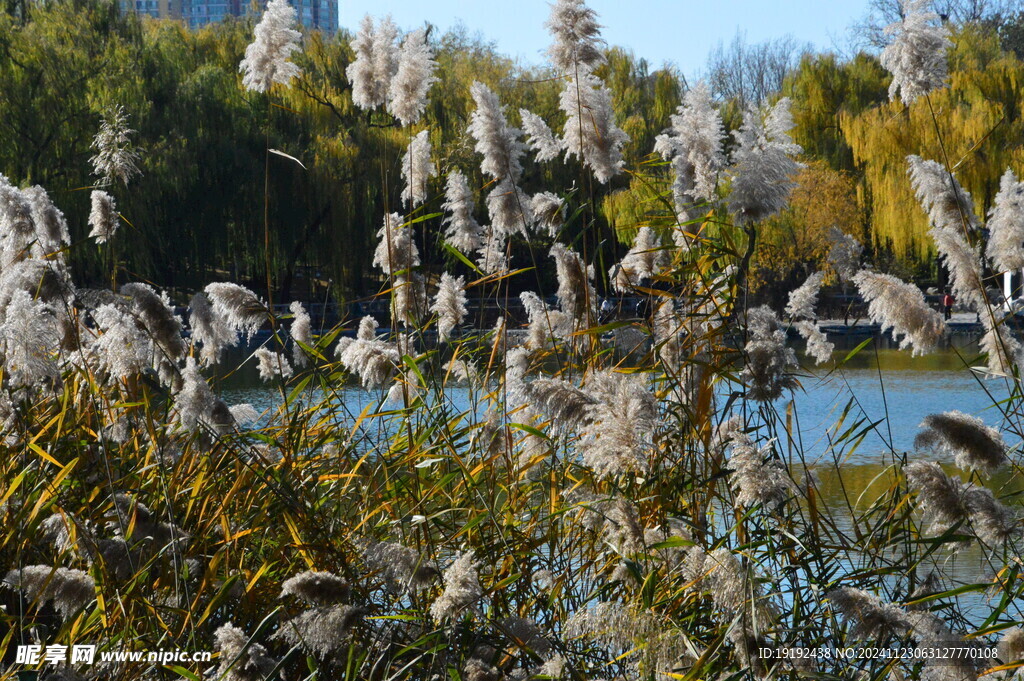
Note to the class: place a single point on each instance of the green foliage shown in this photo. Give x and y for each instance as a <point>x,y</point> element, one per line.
<point>198,211</point>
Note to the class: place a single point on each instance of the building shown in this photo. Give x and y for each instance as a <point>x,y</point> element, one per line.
<point>158,9</point>
<point>313,14</point>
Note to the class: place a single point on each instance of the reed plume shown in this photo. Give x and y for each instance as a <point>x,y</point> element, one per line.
<point>266,59</point>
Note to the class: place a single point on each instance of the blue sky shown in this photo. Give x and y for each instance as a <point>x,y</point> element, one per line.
<point>677,31</point>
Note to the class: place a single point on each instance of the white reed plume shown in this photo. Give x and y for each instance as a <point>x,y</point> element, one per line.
<point>492,256</point>
<point>549,211</point>
<point>973,445</point>
<point>239,307</point>
<point>576,294</point>
<point>619,435</point>
<point>643,261</point>
<point>373,360</point>
<point>566,406</point>
<point>209,330</point>
<point>694,146</point>
<point>51,229</point>
<point>964,266</point>
<point>463,232</point>
<point>272,364</point>
<point>901,307</point>
<point>510,209</point>
<point>449,305</point>
<point>244,414</point>
<point>916,55</point>
<point>404,570</point>
<point>804,299</point>
<point>948,204</point>
<point>939,496</point>
<point>1011,645</point>
<point>301,331</point>
<point>502,149</point>
<point>316,587</point>
<point>323,631</point>
<point>410,292</point>
<point>116,158</point>
<point>396,251</point>
<point>577,37</point>
<point>407,94</point>
<point>157,317</point>
<point>590,133</point>
<point>461,588</point>
<point>103,217</point>
<point>544,321</point>
<point>767,371</point>
<point>240,658</point>
<point>993,522</point>
<point>1006,225</point>
<point>142,529</point>
<point>196,406</point>
<point>417,169</point>
<point>69,590</point>
<point>948,501</point>
<point>763,165</point>
<point>541,139</point>
<point>122,348</point>
<point>871,618</point>
<point>818,345</point>
<point>47,280</point>
<point>30,339</point>
<point>267,58</point>
<point>947,656</point>
<point>1001,348</point>
<point>496,140</point>
<point>375,64</point>
<point>757,478</point>
<point>843,253</point>
<point>951,211</point>
<point>15,212</point>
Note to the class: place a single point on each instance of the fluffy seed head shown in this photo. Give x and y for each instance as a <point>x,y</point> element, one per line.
<point>804,299</point>
<point>463,231</point>
<point>69,590</point>
<point>763,165</point>
<point>916,56</point>
<point>974,446</point>
<point>590,133</point>
<point>577,37</point>
<point>103,217</point>
<point>901,307</point>
<point>694,145</point>
<point>449,305</point>
<point>241,660</point>
<point>407,94</point>
<point>461,588</point>
<point>767,372</point>
<point>543,142</point>
<point>274,40</point>
<point>238,307</point>
<point>316,588</point>
<point>115,158</point>
<point>417,169</point>
<point>1006,225</point>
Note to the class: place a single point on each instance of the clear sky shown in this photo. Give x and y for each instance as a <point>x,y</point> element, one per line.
<point>677,31</point>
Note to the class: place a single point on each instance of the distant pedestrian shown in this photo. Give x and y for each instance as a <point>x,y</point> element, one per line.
<point>947,305</point>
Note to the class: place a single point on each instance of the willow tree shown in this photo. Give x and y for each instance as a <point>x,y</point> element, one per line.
<point>973,125</point>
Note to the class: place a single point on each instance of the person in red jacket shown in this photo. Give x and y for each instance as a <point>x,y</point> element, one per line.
<point>947,305</point>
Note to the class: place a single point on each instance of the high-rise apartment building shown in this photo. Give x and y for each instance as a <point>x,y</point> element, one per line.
<point>321,14</point>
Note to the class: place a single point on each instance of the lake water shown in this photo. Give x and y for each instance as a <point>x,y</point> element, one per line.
<point>881,396</point>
